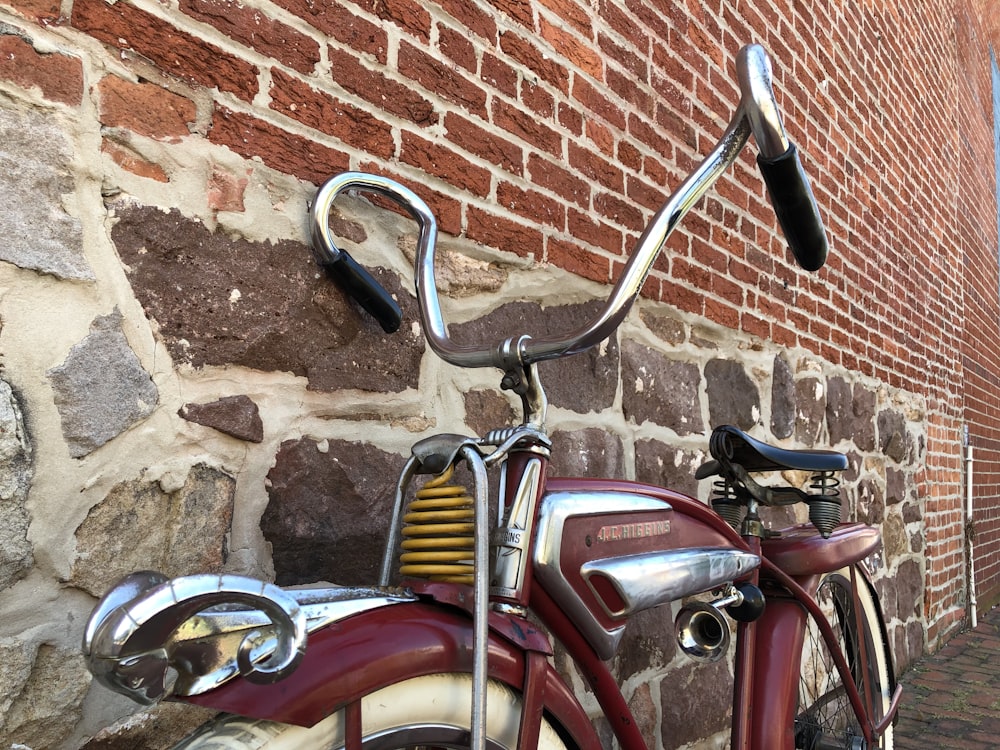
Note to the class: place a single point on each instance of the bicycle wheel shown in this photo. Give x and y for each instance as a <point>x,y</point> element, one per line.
<point>825,719</point>
<point>424,712</point>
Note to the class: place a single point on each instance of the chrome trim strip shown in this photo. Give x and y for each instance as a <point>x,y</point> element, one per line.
<point>653,578</point>
<point>556,508</point>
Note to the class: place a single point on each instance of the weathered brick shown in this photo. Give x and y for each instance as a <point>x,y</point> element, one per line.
<point>283,151</point>
<point>43,11</point>
<point>537,99</point>
<point>578,260</point>
<point>585,228</point>
<point>439,160</point>
<point>58,77</point>
<point>548,174</point>
<point>321,111</point>
<point>337,21</point>
<point>436,76</point>
<point>472,17</point>
<point>499,75</point>
<point>144,108</point>
<point>251,27</point>
<point>535,60</point>
<point>527,127</point>
<point>409,15</point>
<point>597,102</point>
<point>385,93</point>
<point>130,161</point>
<point>503,234</point>
<point>532,205</point>
<point>177,53</point>
<point>517,10</point>
<point>456,47</point>
<point>595,167</point>
<point>484,143</point>
<point>567,44</point>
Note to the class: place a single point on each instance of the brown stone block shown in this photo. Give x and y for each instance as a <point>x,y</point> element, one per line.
<point>219,300</point>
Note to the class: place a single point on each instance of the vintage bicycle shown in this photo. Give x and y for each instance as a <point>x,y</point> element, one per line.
<point>446,649</point>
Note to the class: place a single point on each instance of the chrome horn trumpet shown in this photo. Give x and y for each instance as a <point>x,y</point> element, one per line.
<point>702,632</point>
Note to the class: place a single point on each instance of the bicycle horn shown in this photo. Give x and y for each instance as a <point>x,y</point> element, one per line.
<point>702,632</point>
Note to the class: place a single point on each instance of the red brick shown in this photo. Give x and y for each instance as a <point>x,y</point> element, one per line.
<point>527,126</point>
<point>337,21</point>
<point>484,143</point>
<point>570,118</point>
<point>537,99</point>
<point>321,111</point>
<point>473,17</point>
<point>547,174</point>
<point>440,78</point>
<point>597,102</point>
<point>129,29</point>
<point>446,209</point>
<point>386,94</point>
<point>582,56</point>
<point>409,15</point>
<point>249,26</point>
<point>58,77</point>
<point>518,11</point>
<point>576,14</point>
<point>633,64</point>
<point>503,234</point>
<point>456,47</point>
<point>538,62</point>
<point>145,108</point>
<point>578,260</point>
<point>619,211</point>
<point>498,74</point>
<point>585,228</point>
<point>532,205</point>
<point>43,11</point>
<point>282,151</point>
<point>643,194</point>
<point>597,168</point>
<point>130,161</point>
<point>439,160</point>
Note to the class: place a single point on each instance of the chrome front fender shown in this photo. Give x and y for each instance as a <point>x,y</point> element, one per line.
<point>151,637</point>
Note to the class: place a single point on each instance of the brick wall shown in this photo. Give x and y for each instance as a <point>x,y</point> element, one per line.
<point>180,390</point>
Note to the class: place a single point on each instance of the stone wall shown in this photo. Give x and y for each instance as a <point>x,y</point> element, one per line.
<point>181,389</point>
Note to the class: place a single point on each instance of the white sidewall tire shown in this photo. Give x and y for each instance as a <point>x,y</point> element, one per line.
<point>435,700</point>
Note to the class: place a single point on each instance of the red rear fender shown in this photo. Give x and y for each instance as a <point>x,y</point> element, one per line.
<point>361,654</point>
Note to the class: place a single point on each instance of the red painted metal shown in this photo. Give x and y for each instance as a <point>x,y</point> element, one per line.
<point>743,672</point>
<point>374,649</point>
<point>802,551</point>
<point>596,672</point>
<point>710,523</point>
<point>682,523</point>
<point>775,686</point>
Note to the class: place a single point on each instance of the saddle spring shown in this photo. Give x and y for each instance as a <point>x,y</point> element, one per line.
<point>824,504</point>
<point>727,503</point>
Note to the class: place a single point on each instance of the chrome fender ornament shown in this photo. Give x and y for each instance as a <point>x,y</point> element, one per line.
<point>129,645</point>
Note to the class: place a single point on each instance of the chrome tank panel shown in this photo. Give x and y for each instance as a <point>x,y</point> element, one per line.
<point>603,555</point>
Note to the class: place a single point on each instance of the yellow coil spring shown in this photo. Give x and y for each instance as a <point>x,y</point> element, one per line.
<point>438,527</point>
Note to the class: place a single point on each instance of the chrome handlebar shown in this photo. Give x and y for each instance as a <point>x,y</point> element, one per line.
<point>757,113</point>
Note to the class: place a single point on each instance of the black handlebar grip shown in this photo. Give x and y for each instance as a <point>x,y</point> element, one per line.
<point>362,286</point>
<point>796,208</point>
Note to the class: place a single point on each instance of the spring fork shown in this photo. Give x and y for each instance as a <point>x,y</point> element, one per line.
<point>480,607</point>
<point>480,634</point>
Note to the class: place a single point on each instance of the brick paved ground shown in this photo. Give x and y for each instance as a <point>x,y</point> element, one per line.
<point>952,699</point>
